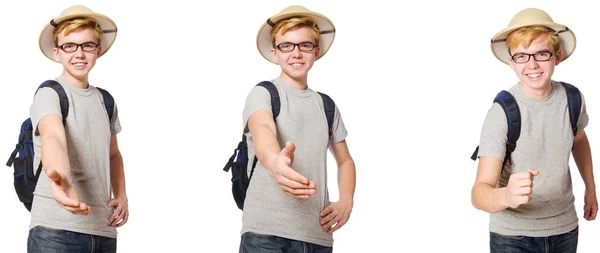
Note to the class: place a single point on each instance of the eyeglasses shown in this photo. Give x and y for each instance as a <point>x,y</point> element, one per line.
<point>537,56</point>
<point>72,47</point>
<point>287,47</point>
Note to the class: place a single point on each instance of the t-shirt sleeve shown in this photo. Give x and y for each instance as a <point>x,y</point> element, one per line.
<point>45,102</point>
<point>583,116</point>
<point>258,99</point>
<point>338,128</point>
<point>115,124</point>
<point>492,142</point>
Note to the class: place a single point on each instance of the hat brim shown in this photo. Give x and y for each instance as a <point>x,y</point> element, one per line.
<point>567,40</point>
<point>326,30</point>
<point>109,33</point>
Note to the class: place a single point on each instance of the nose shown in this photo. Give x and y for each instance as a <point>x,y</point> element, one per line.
<point>296,52</point>
<point>79,52</point>
<point>532,63</point>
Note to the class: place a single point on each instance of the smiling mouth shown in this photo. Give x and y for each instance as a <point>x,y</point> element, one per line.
<point>297,64</point>
<point>79,64</point>
<point>536,75</point>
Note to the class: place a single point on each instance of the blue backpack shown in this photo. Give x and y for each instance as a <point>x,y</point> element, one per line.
<point>513,117</point>
<point>25,179</point>
<point>240,179</point>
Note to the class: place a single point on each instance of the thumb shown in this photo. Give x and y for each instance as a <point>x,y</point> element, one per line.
<point>289,149</point>
<point>53,175</point>
<point>534,172</point>
<point>113,203</point>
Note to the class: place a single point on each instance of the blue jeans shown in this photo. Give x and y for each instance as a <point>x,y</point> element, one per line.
<point>563,243</point>
<point>47,240</point>
<point>255,243</point>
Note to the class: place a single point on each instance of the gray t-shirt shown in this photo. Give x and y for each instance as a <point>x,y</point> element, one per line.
<point>267,209</point>
<point>545,145</point>
<point>88,136</point>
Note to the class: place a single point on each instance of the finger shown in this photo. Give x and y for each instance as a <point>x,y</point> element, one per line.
<point>282,180</point>
<point>288,192</point>
<point>523,191</point>
<point>326,211</point>
<point>53,175</point>
<point>301,191</point>
<point>339,225</point>
<point>112,203</point>
<point>124,220</point>
<point>594,212</point>
<point>327,218</point>
<point>524,182</point>
<point>115,215</point>
<point>293,175</point>
<point>65,200</point>
<point>533,172</point>
<point>587,211</point>
<point>118,216</point>
<point>289,149</point>
<point>330,223</point>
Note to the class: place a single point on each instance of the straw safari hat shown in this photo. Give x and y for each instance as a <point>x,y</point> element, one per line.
<point>533,17</point>
<point>326,30</point>
<point>109,29</point>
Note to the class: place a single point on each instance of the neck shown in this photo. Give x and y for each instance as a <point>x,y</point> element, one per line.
<point>296,83</point>
<point>537,94</point>
<point>80,82</point>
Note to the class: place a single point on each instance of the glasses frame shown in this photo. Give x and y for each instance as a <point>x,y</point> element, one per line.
<point>512,57</point>
<point>77,46</point>
<point>296,45</point>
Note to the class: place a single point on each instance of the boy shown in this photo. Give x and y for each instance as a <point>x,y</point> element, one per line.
<point>287,207</point>
<point>73,209</point>
<point>530,198</point>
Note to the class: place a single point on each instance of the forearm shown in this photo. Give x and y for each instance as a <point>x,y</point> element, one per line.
<point>265,145</point>
<point>54,153</point>
<point>487,198</point>
<point>117,176</point>
<point>583,158</point>
<point>347,180</point>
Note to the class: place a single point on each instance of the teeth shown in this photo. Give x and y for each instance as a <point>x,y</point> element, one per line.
<point>78,64</point>
<point>534,75</point>
<point>296,64</point>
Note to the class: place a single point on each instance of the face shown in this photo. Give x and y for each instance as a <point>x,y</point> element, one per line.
<point>78,64</point>
<point>535,75</point>
<point>295,64</point>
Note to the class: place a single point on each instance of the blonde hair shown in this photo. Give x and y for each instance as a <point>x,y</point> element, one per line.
<point>294,23</point>
<point>75,25</point>
<point>526,35</point>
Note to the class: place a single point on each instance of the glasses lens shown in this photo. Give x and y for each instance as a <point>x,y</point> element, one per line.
<point>69,47</point>
<point>542,56</point>
<point>286,47</point>
<point>520,58</point>
<point>306,46</point>
<point>89,46</point>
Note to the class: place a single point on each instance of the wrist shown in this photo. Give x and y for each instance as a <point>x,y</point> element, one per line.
<point>502,197</point>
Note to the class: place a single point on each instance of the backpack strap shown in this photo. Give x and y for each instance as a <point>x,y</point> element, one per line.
<point>109,103</point>
<point>513,118</point>
<point>574,100</point>
<point>329,111</point>
<point>62,95</point>
<point>275,101</point>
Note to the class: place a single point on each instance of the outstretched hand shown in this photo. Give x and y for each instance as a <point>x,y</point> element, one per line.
<point>289,180</point>
<point>65,195</point>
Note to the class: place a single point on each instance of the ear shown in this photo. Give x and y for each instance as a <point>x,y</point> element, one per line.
<point>274,54</point>
<point>99,51</point>
<point>511,63</point>
<point>55,54</point>
<point>317,52</point>
<point>558,55</point>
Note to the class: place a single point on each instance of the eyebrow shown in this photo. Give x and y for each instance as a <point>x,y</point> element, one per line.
<point>541,51</point>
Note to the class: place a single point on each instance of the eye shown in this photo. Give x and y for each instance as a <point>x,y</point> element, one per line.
<point>69,46</point>
<point>286,46</point>
<point>520,56</point>
<point>89,46</point>
<point>306,46</point>
<point>543,54</point>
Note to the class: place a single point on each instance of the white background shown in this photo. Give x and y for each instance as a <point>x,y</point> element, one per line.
<point>413,82</point>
